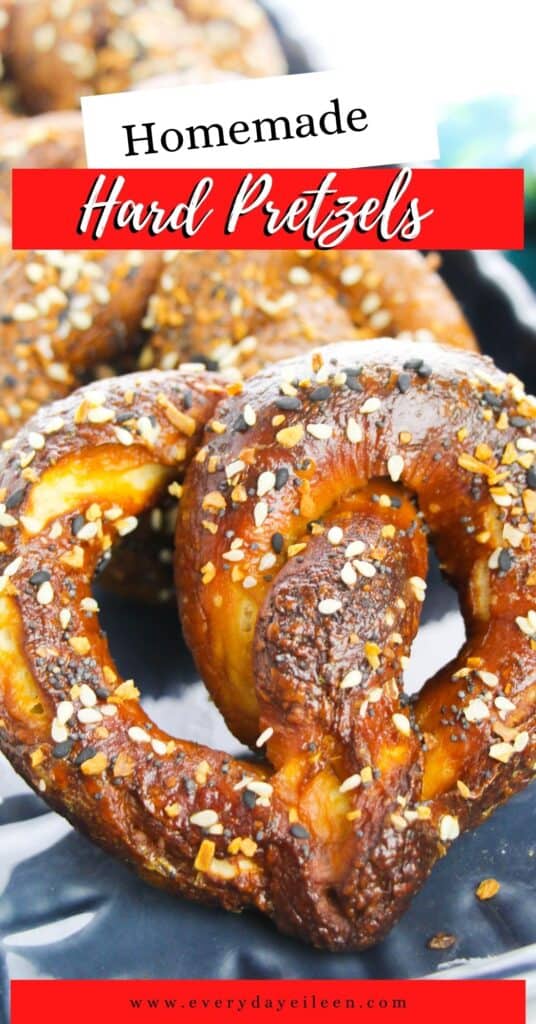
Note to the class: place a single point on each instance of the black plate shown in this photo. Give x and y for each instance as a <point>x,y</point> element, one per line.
<point>69,911</point>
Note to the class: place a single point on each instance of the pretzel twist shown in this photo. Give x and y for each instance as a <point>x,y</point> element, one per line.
<point>300,566</point>
<point>56,51</point>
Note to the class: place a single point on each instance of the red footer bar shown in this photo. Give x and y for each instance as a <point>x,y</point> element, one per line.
<point>302,1002</point>
<point>276,209</point>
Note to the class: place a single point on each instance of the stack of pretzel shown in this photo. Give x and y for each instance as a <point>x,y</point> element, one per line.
<point>305,491</point>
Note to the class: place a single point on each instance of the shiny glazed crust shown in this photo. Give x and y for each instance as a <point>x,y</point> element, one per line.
<point>59,50</point>
<point>248,309</point>
<point>301,562</point>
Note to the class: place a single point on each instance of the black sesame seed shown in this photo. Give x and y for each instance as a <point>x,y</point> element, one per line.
<point>354,384</point>
<point>77,524</point>
<point>288,403</point>
<point>299,832</point>
<point>403,382</point>
<point>490,398</point>
<point>413,364</point>
<point>277,542</point>
<point>281,477</point>
<point>531,478</point>
<point>40,577</point>
<point>249,798</point>
<point>520,421</point>
<point>320,394</point>
<point>16,499</point>
<point>505,560</point>
<point>62,749</point>
<point>424,371</point>
<point>85,755</point>
<point>240,425</point>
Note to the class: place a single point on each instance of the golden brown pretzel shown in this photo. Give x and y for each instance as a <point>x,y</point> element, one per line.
<point>62,314</point>
<point>249,309</point>
<point>59,50</point>
<point>301,570</point>
<point>47,140</point>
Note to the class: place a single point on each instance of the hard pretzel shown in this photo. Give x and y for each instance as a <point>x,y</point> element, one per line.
<point>301,566</point>
<point>56,51</point>
<point>248,309</point>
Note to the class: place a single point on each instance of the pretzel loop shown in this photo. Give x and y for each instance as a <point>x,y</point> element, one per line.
<point>301,558</point>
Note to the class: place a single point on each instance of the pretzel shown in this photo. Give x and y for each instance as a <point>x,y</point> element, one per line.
<point>300,565</point>
<point>248,309</point>
<point>59,50</point>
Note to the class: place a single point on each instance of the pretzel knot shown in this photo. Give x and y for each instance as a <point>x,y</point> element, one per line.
<point>301,564</point>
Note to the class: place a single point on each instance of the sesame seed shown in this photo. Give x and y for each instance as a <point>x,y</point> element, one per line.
<point>260,788</point>
<point>372,404</point>
<point>265,483</point>
<point>250,416</point>
<point>320,431</point>
<point>348,574</point>
<point>365,568</point>
<point>299,275</point>
<point>352,678</point>
<point>402,723</point>
<point>204,819</point>
<point>264,737</point>
<point>355,548</point>
<point>354,431</point>
<point>59,731</point>
<point>351,274</point>
<point>521,741</point>
<point>370,303</point>
<point>87,532</point>
<point>352,782</point>
<point>138,735</point>
<point>45,593</point>
<point>501,752</point>
<point>489,679</point>
<point>126,525</point>
<point>449,828</point>
<point>159,747</point>
<point>395,467</point>
<point>88,697</point>
<point>89,716</point>
<point>335,535</point>
<point>64,711</point>
<point>260,512</point>
<point>329,606</point>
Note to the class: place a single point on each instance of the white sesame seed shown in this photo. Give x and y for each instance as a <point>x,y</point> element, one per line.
<point>355,548</point>
<point>13,567</point>
<point>348,574</point>
<point>36,441</point>
<point>89,716</point>
<point>299,275</point>
<point>45,594</point>
<point>87,532</point>
<point>352,678</point>
<point>59,731</point>
<point>335,535</point>
<point>370,303</point>
<point>88,697</point>
<point>81,319</point>
<point>249,582</point>
<point>233,555</point>
<point>260,512</point>
<point>380,319</point>
<point>250,416</point>
<point>395,467</point>
<point>264,737</point>
<point>138,735</point>
<point>234,468</point>
<point>65,618</point>
<point>402,723</point>
<point>54,425</point>
<point>23,311</point>
<point>260,788</point>
<point>89,605</point>
<point>100,415</point>
<point>375,695</point>
<point>352,782</point>
<point>159,747</point>
<point>64,711</point>
<point>365,568</point>
<point>351,274</point>
<point>204,818</point>
<point>370,405</point>
<point>526,444</point>
<point>267,561</point>
<point>329,606</point>
<point>354,431</point>
<point>449,828</point>
<point>320,431</point>
<point>476,711</point>
<point>124,436</point>
<point>265,483</point>
<point>521,741</point>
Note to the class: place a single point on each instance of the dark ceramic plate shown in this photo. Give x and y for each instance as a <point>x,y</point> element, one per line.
<point>67,910</point>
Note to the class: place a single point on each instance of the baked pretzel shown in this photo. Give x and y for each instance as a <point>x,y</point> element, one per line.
<point>248,309</point>
<point>301,571</point>
<point>59,50</point>
<point>48,140</point>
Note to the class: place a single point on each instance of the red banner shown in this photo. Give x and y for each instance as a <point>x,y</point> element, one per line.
<point>278,209</point>
<point>302,1002</point>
